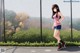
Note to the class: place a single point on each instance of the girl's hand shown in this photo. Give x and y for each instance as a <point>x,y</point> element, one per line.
<point>52,27</point>
<point>62,17</point>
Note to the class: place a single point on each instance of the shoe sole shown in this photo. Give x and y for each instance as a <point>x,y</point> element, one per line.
<point>59,49</point>
<point>64,46</point>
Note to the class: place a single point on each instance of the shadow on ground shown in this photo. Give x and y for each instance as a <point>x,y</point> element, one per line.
<point>71,48</point>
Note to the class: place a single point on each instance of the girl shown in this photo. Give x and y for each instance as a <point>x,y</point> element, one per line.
<point>58,17</point>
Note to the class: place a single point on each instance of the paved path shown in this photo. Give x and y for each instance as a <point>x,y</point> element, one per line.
<point>17,49</point>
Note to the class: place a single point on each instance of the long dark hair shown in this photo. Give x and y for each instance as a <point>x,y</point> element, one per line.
<point>57,7</point>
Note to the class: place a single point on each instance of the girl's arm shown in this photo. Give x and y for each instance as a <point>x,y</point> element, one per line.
<point>52,26</point>
<point>62,17</point>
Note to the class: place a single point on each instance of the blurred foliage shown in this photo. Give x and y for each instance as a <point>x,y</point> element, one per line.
<point>33,35</point>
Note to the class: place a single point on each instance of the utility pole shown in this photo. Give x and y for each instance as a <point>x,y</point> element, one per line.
<point>3,7</point>
<point>71,15</point>
<point>41,19</point>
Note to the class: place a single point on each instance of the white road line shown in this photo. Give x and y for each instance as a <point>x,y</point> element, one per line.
<point>48,50</point>
<point>33,51</point>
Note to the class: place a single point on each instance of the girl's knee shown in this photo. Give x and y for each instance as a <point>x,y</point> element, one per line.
<point>54,36</point>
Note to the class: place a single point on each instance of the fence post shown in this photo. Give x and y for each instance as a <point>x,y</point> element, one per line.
<point>41,20</point>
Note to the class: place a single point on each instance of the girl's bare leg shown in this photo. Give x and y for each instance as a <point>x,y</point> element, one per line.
<point>57,35</point>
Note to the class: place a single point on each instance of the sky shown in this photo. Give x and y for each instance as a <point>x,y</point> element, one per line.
<point>32,7</point>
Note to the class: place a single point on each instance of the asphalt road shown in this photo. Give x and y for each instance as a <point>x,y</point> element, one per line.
<point>17,49</point>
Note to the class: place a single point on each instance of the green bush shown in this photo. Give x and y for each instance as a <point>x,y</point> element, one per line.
<point>12,43</point>
<point>65,35</point>
<point>26,35</point>
<point>33,35</point>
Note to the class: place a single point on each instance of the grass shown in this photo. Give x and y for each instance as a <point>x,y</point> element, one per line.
<point>31,37</point>
<point>36,44</point>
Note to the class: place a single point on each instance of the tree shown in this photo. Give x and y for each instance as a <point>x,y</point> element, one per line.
<point>21,18</point>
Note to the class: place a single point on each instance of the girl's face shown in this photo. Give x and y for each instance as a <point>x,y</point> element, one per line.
<point>55,10</point>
